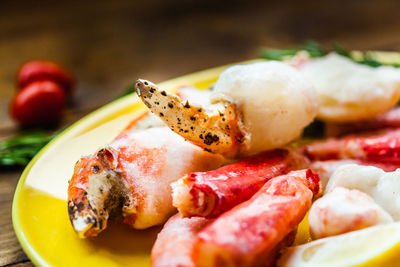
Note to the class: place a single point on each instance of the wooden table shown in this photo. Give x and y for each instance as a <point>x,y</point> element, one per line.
<point>109,44</point>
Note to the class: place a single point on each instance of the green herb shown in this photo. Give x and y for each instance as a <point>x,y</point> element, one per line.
<point>314,50</point>
<point>278,54</point>
<point>19,150</point>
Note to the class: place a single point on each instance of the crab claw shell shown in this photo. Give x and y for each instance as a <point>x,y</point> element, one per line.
<point>218,132</point>
<point>95,193</point>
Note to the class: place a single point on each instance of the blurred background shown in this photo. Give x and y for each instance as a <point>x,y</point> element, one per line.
<point>107,45</point>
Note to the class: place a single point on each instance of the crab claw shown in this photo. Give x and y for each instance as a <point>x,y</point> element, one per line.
<point>215,129</point>
<point>89,211</point>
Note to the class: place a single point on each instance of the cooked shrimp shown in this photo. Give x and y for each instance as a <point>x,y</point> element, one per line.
<point>254,107</point>
<point>130,179</point>
<point>211,193</point>
<point>343,210</point>
<point>349,91</point>
<point>245,235</point>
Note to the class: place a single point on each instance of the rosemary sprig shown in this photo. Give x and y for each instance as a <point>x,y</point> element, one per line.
<point>314,50</point>
<point>19,150</point>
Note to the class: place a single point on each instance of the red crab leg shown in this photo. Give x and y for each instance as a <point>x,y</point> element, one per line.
<point>248,233</point>
<point>175,242</point>
<point>383,146</point>
<point>389,119</point>
<point>211,193</point>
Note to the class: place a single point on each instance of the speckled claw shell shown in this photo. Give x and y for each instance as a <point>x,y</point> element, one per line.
<point>217,133</point>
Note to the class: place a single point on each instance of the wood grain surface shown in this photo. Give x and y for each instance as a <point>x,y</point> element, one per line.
<point>109,44</point>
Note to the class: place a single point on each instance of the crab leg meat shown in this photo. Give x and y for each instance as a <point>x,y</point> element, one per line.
<point>383,146</point>
<point>245,235</point>
<point>214,192</point>
<point>389,119</point>
<point>252,108</point>
<point>217,132</point>
<point>356,197</point>
<point>175,242</point>
<point>344,210</point>
<point>129,179</point>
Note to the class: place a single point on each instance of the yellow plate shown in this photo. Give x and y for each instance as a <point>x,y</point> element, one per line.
<point>39,212</point>
<point>40,209</point>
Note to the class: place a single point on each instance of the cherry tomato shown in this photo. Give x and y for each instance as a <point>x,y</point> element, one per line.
<point>39,103</point>
<point>45,70</point>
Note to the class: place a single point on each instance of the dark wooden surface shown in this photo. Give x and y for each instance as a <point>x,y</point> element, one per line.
<point>109,44</point>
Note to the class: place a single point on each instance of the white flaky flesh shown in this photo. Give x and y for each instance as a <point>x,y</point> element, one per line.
<point>326,168</point>
<point>149,161</point>
<point>191,202</point>
<point>344,210</point>
<point>149,121</point>
<point>349,91</point>
<point>213,127</point>
<point>274,100</point>
<point>383,187</point>
<point>174,244</point>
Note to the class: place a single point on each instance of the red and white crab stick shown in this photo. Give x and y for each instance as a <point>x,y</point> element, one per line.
<point>211,193</point>
<point>248,233</point>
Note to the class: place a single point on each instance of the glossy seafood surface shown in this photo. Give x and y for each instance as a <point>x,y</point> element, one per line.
<point>253,108</point>
<point>129,180</point>
<point>245,235</point>
<point>382,146</point>
<point>351,92</point>
<point>211,193</point>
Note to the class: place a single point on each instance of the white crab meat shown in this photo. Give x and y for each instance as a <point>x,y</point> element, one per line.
<point>383,187</point>
<point>349,91</point>
<point>275,102</point>
<point>326,168</point>
<point>343,210</point>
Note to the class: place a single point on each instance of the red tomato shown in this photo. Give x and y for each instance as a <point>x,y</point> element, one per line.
<point>39,103</point>
<point>45,70</point>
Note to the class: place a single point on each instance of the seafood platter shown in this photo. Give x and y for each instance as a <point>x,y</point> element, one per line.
<point>261,163</point>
